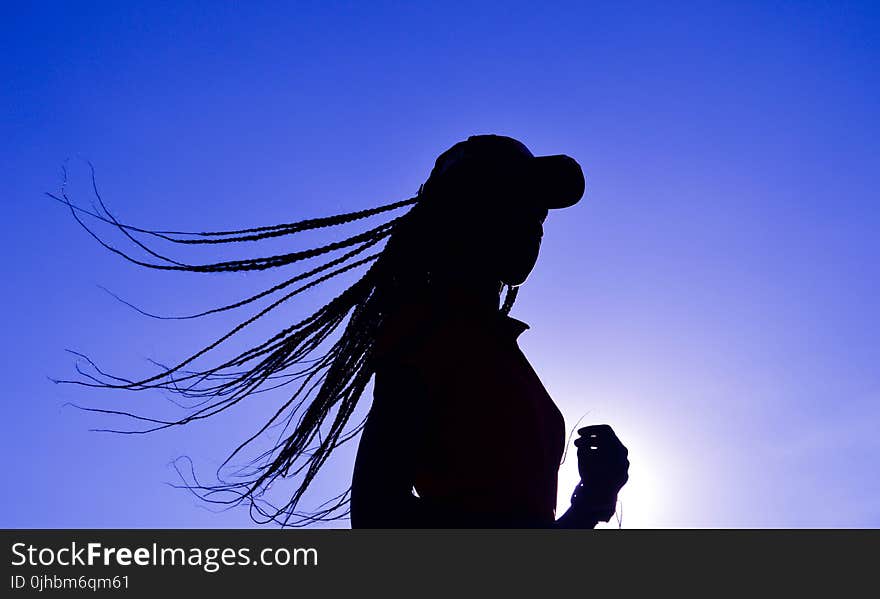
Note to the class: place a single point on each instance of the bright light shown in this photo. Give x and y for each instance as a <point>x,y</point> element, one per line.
<point>655,493</point>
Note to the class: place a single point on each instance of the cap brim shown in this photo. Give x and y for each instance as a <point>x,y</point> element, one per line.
<point>558,180</point>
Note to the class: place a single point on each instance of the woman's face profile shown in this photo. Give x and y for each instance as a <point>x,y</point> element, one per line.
<point>508,234</point>
<point>520,235</point>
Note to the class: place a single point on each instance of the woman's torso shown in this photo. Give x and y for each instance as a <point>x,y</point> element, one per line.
<point>493,438</point>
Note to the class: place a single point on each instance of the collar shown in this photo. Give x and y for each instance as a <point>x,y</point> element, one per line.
<point>512,326</point>
<point>462,303</point>
<point>415,315</point>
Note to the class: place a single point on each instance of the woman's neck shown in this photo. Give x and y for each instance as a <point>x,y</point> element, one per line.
<point>469,293</point>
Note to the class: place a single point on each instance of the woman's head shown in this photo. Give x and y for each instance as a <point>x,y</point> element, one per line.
<point>481,211</point>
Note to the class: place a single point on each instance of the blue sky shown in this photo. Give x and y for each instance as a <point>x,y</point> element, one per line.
<point>713,297</point>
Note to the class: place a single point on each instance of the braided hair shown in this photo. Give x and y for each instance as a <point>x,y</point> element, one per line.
<point>328,382</point>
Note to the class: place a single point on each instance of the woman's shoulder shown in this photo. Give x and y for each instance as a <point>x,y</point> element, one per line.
<point>416,334</point>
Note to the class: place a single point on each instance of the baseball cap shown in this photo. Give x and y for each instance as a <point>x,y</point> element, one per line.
<point>556,181</point>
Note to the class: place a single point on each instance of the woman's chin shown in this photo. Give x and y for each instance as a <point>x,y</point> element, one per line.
<point>515,279</point>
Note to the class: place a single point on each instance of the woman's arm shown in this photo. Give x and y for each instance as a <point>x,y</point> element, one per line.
<point>573,518</point>
<point>587,512</point>
<point>384,470</point>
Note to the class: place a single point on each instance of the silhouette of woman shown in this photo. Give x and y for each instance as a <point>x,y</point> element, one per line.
<point>483,438</point>
<point>461,432</point>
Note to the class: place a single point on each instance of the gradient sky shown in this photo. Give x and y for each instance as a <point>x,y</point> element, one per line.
<point>714,296</point>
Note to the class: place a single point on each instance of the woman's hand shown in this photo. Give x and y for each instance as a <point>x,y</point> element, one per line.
<point>604,469</point>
